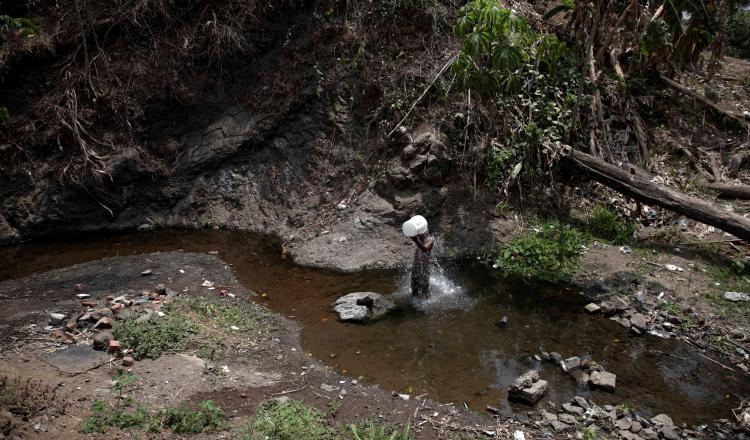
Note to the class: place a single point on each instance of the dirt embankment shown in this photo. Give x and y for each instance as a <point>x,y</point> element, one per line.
<point>286,138</point>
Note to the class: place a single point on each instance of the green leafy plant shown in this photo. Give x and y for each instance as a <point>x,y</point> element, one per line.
<point>369,430</point>
<point>152,337</point>
<point>550,253</point>
<point>183,421</point>
<point>104,417</point>
<point>289,420</point>
<point>496,44</point>
<point>605,224</point>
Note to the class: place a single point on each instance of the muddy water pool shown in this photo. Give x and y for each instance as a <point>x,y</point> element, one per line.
<point>449,348</point>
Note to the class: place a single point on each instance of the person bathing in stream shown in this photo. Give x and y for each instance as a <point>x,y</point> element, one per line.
<point>420,271</point>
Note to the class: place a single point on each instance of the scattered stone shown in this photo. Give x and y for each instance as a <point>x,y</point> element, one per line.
<point>409,152</point>
<point>78,287</point>
<point>571,363</point>
<point>117,307</point>
<point>627,435</point>
<point>528,388</point>
<point>624,423</point>
<point>327,388</point>
<point>502,322</point>
<point>639,321</point>
<point>592,308</point>
<point>103,323</point>
<point>580,401</point>
<point>557,357</point>
<point>662,419</point>
<point>128,361</point>
<point>349,309</point>
<point>568,419</point>
<point>649,434</point>
<point>670,432</point>
<point>90,304</point>
<point>736,296</point>
<point>636,427</point>
<point>548,417</point>
<point>604,380</point>
<point>613,307</point>
<point>56,319</point>
<point>573,409</point>
<point>114,346</point>
<point>101,340</point>
<point>559,426</point>
<point>160,289</point>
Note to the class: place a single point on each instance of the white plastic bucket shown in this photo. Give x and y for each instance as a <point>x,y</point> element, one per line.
<point>414,226</point>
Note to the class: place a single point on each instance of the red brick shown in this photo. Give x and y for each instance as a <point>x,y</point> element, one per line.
<point>58,334</point>
<point>71,325</point>
<point>128,361</point>
<point>70,338</point>
<point>110,297</point>
<point>89,303</point>
<point>114,346</point>
<point>116,307</point>
<point>103,323</point>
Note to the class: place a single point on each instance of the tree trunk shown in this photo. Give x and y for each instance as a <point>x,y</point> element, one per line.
<point>646,191</point>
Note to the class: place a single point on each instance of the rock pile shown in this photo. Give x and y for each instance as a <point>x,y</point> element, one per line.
<point>619,421</point>
<point>586,371</point>
<point>528,388</point>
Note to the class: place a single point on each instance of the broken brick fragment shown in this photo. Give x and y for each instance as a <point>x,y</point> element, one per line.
<point>89,303</point>
<point>114,346</point>
<point>128,361</point>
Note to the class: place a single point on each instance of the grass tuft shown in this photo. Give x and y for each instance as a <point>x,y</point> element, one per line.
<point>605,224</point>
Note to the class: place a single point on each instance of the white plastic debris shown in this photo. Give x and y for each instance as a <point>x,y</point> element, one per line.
<point>673,268</point>
<point>231,295</point>
<point>83,296</point>
<point>161,314</point>
<point>225,368</point>
<point>623,250</point>
<point>518,435</point>
<point>207,283</point>
<point>341,206</point>
<point>234,327</point>
<point>404,396</point>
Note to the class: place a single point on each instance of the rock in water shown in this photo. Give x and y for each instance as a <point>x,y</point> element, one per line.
<point>604,380</point>
<point>528,388</point>
<point>362,306</point>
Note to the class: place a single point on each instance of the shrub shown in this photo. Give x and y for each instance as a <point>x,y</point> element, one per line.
<point>152,337</point>
<point>551,253</point>
<point>183,421</point>
<point>739,33</point>
<point>606,224</point>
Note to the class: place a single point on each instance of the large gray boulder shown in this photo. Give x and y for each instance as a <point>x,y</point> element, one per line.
<point>363,307</point>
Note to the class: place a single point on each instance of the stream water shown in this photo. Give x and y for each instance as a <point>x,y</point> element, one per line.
<point>447,348</point>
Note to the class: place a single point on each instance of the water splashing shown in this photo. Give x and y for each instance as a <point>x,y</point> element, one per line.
<point>445,293</point>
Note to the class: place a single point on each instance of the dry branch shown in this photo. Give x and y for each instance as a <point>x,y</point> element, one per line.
<point>686,91</point>
<point>646,191</point>
<point>727,190</point>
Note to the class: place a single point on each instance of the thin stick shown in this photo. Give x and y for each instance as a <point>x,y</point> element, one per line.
<point>414,104</point>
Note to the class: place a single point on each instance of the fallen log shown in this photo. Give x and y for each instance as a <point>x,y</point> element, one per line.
<point>646,191</point>
<point>727,190</point>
